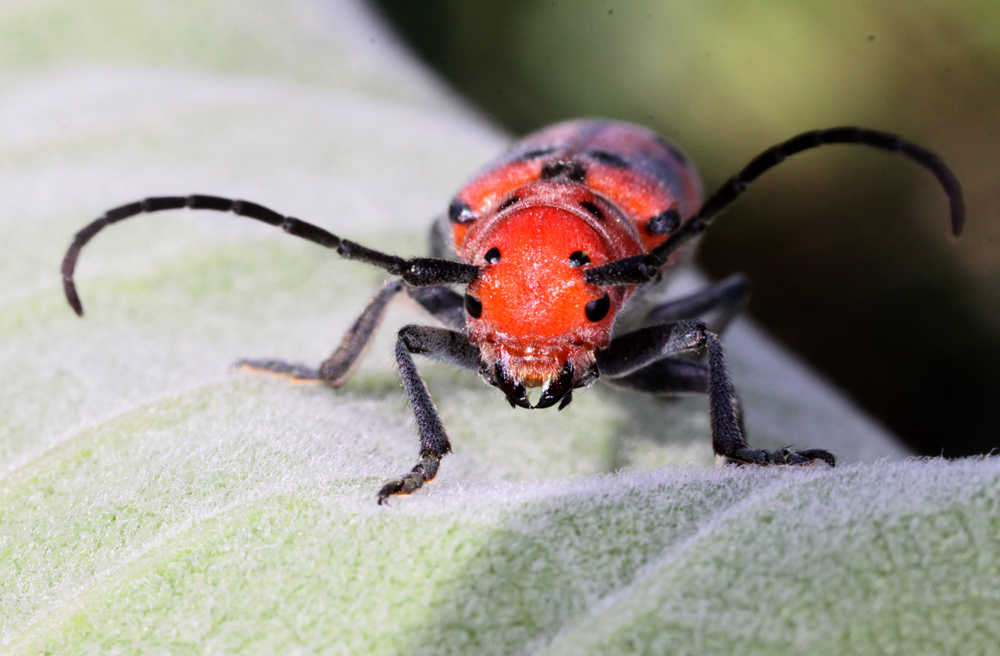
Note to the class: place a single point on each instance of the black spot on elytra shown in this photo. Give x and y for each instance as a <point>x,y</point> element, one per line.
<point>598,309</point>
<point>507,203</point>
<point>460,212</point>
<point>578,259</point>
<point>572,170</point>
<point>609,158</point>
<point>592,209</point>
<point>664,223</point>
<point>535,154</point>
<point>492,256</point>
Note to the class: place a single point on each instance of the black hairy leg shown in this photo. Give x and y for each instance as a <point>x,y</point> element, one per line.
<point>441,302</point>
<point>727,297</point>
<point>445,346</point>
<point>646,360</point>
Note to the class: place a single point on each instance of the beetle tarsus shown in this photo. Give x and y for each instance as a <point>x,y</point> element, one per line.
<point>290,370</point>
<point>781,457</point>
<point>423,472</point>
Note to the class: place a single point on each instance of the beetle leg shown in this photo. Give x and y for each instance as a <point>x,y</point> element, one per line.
<point>294,372</point>
<point>728,297</point>
<point>441,302</point>
<point>629,362</point>
<point>336,369</point>
<point>633,351</point>
<point>727,437</point>
<point>443,345</point>
<point>668,376</point>
<point>444,304</point>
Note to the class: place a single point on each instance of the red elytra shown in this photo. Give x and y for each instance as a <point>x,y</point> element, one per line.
<point>552,243</point>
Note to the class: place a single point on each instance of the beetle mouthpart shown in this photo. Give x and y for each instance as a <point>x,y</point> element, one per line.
<point>516,394</point>
<point>558,388</point>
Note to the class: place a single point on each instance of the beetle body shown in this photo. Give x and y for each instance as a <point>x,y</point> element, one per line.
<point>578,193</point>
<point>552,243</point>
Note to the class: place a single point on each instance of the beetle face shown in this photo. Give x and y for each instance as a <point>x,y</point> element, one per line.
<point>535,320</point>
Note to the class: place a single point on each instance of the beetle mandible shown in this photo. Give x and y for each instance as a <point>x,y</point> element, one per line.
<point>553,242</point>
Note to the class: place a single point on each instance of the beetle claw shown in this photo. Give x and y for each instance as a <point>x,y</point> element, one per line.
<point>516,394</point>
<point>557,389</point>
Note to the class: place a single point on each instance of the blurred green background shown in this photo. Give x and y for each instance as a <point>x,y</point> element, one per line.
<point>848,249</point>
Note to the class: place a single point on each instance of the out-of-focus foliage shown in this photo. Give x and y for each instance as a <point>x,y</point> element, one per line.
<point>848,250</point>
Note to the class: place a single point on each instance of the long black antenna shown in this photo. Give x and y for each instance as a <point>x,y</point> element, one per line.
<point>418,271</point>
<point>642,268</point>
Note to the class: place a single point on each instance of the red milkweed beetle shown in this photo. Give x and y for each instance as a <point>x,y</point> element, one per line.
<point>553,242</point>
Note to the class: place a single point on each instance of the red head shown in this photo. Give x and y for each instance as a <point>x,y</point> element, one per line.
<point>535,320</point>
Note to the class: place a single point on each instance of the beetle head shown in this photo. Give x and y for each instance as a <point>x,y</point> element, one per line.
<point>535,320</point>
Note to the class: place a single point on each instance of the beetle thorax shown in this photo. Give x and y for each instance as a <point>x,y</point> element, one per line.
<point>533,317</point>
<point>531,297</point>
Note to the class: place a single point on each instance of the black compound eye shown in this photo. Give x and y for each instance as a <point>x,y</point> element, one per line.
<point>475,308</point>
<point>492,256</point>
<point>578,259</point>
<point>596,310</point>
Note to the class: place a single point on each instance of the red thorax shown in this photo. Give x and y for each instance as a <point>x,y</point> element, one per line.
<point>532,290</point>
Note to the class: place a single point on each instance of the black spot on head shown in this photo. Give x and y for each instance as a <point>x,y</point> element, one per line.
<point>572,170</point>
<point>597,309</point>
<point>535,154</point>
<point>492,256</point>
<point>609,158</point>
<point>460,212</point>
<point>474,307</point>
<point>578,259</point>
<point>507,203</point>
<point>664,223</point>
<point>592,209</point>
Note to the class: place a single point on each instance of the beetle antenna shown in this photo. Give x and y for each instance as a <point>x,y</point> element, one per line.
<point>418,271</point>
<point>736,185</point>
<point>642,268</point>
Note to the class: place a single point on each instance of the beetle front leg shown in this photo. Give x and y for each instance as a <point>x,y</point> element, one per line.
<point>727,297</point>
<point>727,436</point>
<point>443,345</point>
<point>629,360</point>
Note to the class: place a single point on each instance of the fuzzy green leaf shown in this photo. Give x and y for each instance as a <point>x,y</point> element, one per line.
<point>153,501</point>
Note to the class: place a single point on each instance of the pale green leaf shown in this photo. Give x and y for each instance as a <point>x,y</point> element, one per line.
<point>154,501</point>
